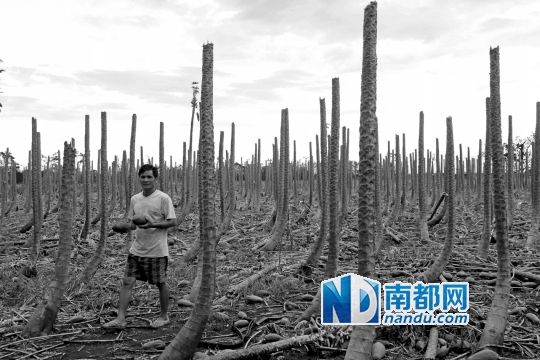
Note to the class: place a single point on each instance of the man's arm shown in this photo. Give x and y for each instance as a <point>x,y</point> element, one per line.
<point>159,224</point>
<point>123,227</point>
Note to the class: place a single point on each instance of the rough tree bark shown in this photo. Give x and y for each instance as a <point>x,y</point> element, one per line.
<point>283,190</point>
<point>184,344</point>
<point>432,274</point>
<point>317,246</point>
<point>333,186</point>
<point>36,201</point>
<point>97,258</point>
<point>483,246</point>
<point>42,321</point>
<point>362,336</point>
<point>533,238</point>
<point>493,333</point>
<point>161,157</point>
<point>422,221</point>
<point>87,172</point>
<point>510,175</point>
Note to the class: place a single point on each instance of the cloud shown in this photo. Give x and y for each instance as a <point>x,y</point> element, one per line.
<point>26,107</point>
<point>27,75</point>
<point>310,19</point>
<point>497,23</point>
<point>141,21</point>
<point>267,88</point>
<point>167,88</point>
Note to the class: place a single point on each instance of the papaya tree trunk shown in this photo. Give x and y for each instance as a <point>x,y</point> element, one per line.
<point>432,274</point>
<point>422,221</point>
<point>184,344</point>
<point>42,321</point>
<point>283,190</point>
<point>493,333</point>
<point>486,228</point>
<point>510,175</point>
<point>87,173</point>
<point>362,337</point>
<point>317,246</point>
<point>97,258</point>
<point>333,186</point>
<point>533,238</point>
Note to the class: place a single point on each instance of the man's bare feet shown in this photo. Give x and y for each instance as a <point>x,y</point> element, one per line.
<point>116,324</point>
<point>159,322</point>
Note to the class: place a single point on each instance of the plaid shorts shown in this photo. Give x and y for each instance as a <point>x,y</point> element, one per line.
<point>150,269</point>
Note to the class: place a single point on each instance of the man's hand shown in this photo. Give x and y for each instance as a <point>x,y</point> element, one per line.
<point>123,227</point>
<point>147,225</point>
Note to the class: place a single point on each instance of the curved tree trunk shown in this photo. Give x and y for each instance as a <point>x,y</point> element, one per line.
<point>432,274</point>
<point>483,247</point>
<point>510,175</point>
<point>283,191</point>
<point>97,258</point>
<point>533,238</point>
<point>224,226</point>
<point>333,186</point>
<point>182,199</point>
<point>403,176</point>
<point>132,171</point>
<point>396,211</point>
<point>379,233</point>
<point>496,322</point>
<point>42,321</point>
<point>188,197</point>
<point>310,176</point>
<point>221,186</point>
<point>161,157</point>
<point>36,201</point>
<point>192,252</point>
<point>87,173</point>
<point>362,336</point>
<point>422,221</point>
<point>317,246</point>
<point>184,344</point>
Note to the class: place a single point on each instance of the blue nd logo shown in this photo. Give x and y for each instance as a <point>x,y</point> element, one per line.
<point>350,299</point>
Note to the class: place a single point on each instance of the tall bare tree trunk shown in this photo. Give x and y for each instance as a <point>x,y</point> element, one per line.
<point>310,176</point>
<point>510,175</point>
<point>422,221</point>
<point>97,258</point>
<point>403,201</point>
<point>362,336</point>
<point>132,175</point>
<point>283,190</point>
<point>479,173</point>
<point>36,201</point>
<point>184,344</point>
<point>333,188</point>
<point>188,196</point>
<point>493,333</point>
<point>533,238</point>
<point>42,321</point>
<point>396,211</point>
<point>87,173</point>
<point>432,274</point>
<point>221,186</point>
<point>161,157</point>
<point>483,247</point>
<point>317,246</point>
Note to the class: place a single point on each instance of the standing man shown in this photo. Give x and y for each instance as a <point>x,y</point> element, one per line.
<point>151,212</point>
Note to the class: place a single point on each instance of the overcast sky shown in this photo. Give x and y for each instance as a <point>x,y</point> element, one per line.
<point>65,59</point>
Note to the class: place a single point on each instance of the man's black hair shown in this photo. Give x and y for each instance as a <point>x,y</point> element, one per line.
<point>147,167</point>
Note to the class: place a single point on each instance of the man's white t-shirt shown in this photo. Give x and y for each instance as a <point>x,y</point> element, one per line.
<point>157,206</point>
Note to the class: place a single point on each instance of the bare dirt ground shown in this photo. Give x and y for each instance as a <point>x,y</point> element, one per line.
<point>285,294</point>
